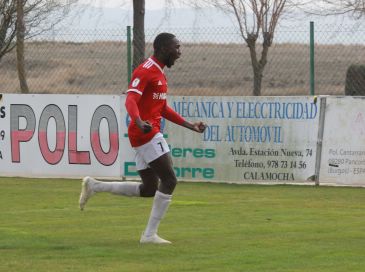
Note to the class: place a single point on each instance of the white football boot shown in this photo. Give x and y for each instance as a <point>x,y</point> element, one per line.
<point>153,239</point>
<point>86,192</point>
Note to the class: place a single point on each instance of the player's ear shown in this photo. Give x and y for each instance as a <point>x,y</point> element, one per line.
<point>164,50</point>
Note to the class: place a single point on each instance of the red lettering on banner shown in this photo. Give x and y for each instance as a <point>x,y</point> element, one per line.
<point>109,157</point>
<point>75,156</point>
<point>17,137</point>
<point>52,157</point>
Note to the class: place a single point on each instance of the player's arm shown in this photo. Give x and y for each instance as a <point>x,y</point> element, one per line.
<point>171,115</point>
<point>131,104</point>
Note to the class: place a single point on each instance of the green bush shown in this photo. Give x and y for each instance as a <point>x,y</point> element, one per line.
<point>355,80</point>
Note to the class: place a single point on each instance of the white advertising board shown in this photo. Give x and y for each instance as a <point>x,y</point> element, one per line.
<point>343,148</point>
<point>60,135</point>
<point>248,139</point>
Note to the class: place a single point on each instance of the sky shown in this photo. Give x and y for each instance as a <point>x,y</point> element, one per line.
<point>117,14</point>
<point>127,4</point>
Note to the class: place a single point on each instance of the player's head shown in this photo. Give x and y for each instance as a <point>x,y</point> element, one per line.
<point>166,48</point>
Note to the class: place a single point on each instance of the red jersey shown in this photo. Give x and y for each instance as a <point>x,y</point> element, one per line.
<point>149,81</point>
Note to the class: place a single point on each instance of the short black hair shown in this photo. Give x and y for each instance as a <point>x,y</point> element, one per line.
<point>162,40</point>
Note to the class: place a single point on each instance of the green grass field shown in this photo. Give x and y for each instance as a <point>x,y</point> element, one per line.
<point>213,227</point>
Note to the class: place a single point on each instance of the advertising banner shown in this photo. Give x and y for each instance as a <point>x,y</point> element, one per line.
<point>343,148</point>
<point>248,139</point>
<point>60,135</point>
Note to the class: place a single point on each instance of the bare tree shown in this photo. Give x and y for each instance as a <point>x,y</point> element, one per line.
<point>39,15</point>
<point>7,26</point>
<point>265,15</point>
<point>20,32</point>
<point>257,21</point>
<point>139,41</point>
<point>336,7</point>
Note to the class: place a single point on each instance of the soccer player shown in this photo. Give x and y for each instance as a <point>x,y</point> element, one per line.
<point>146,104</point>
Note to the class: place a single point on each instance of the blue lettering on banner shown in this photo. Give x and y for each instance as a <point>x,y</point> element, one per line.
<point>244,134</point>
<point>254,134</point>
<point>246,110</point>
<point>237,110</point>
<point>200,109</point>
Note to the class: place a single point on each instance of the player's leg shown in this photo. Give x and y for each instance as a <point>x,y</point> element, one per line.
<point>149,184</point>
<point>162,167</point>
<point>90,186</point>
<point>124,188</point>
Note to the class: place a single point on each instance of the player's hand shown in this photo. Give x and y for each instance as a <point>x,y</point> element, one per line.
<point>199,127</point>
<point>145,126</point>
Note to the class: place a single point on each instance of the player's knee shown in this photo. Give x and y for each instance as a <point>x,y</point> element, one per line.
<point>147,191</point>
<point>168,185</point>
<point>148,194</point>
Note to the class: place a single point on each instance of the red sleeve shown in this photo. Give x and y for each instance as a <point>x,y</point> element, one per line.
<point>139,81</point>
<point>172,116</point>
<point>131,104</point>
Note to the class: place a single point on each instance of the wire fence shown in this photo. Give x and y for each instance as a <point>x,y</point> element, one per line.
<point>215,61</point>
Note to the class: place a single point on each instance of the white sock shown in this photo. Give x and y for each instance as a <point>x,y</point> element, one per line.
<point>118,188</point>
<point>160,205</point>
